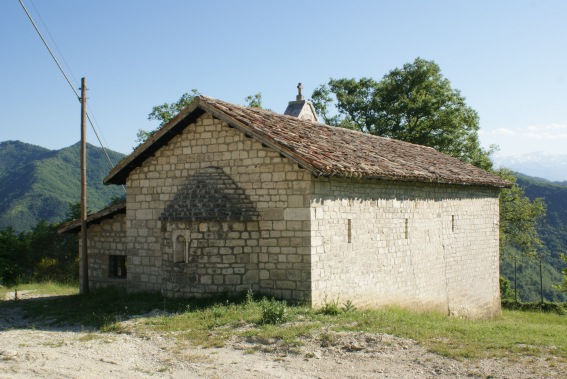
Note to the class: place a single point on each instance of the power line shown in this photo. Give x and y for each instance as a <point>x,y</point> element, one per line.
<point>90,113</point>
<point>67,79</point>
<point>50,52</point>
<point>55,43</point>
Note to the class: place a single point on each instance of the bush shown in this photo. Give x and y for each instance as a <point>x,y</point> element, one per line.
<point>506,291</point>
<point>546,307</point>
<point>330,307</point>
<point>273,311</point>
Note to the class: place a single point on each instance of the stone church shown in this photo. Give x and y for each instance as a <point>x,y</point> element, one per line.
<point>226,198</point>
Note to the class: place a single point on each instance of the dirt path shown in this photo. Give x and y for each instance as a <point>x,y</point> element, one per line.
<point>45,352</point>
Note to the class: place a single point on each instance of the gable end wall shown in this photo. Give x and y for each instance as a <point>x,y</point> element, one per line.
<point>273,251</point>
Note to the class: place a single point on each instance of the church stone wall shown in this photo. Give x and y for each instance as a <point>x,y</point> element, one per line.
<point>420,246</point>
<point>214,211</point>
<point>264,246</point>
<point>104,240</point>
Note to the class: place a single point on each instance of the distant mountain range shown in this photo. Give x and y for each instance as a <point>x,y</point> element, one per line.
<point>540,165</point>
<point>39,184</point>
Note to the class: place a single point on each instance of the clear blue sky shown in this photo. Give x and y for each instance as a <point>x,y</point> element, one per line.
<point>508,58</point>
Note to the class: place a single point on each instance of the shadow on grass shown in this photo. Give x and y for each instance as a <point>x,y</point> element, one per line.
<point>96,310</point>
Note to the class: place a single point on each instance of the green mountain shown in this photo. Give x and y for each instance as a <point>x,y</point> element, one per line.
<point>39,184</point>
<point>553,232</point>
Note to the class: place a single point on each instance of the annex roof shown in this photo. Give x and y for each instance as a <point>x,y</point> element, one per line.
<point>74,226</point>
<point>323,150</point>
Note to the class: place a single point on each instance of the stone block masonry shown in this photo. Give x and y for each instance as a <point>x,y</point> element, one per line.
<point>241,210</point>
<point>105,240</point>
<point>422,246</point>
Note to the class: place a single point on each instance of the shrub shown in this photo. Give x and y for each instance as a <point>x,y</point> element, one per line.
<point>546,307</point>
<point>349,307</point>
<point>506,291</point>
<point>330,307</point>
<point>273,311</point>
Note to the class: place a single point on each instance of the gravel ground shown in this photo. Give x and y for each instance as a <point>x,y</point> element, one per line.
<point>41,351</point>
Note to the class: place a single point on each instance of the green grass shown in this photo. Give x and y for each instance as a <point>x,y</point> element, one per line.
<point>211,322</point>
<point>45,288</point>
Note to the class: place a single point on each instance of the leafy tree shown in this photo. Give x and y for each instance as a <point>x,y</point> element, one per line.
<point>414,104</point>
<point>254,101</point>
<point>39,254</point>
<point>506,291</point>
<point>563,286</point>
<point>165,112</point>
<point>74,210</point>
<point>12,249</point>
<point>519,216</point>
<point>117,199</point>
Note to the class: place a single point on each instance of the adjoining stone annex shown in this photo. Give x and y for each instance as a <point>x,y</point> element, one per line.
<point>226,198</point>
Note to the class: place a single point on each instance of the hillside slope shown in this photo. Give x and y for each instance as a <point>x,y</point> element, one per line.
<point>553,232</point>
<point>38,184</point>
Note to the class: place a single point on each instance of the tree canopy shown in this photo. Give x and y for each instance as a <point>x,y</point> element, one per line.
<point>414,103</point>
<point>254,101</point>
<point>166,111</point>
<point>519,217</point>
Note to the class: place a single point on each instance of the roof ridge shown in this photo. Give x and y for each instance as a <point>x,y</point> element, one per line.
<point>340,129</point>
<point>322,149</point>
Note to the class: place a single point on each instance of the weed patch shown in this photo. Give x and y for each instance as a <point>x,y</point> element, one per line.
<point>276,326</point>
<point>273,311</point>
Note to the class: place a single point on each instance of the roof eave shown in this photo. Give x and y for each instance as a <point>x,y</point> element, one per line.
<point>121,171</point>
<point>500,184</point>
<point>74,226</point>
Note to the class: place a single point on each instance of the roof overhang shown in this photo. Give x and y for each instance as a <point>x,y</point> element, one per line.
<point>74,226</point>
<point>318,159</point>
<point>186,117</point>
<point>161,138</point>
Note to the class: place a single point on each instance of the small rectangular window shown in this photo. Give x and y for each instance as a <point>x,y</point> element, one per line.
<point>349,230</point>
<point>179,255</point>
<point>406,229</point>
<point>453,223</point>
<point>117,266</point>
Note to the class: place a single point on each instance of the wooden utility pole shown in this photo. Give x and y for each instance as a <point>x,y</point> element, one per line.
<point>84,258</point>
<point>541,277</point>
<point>516,278</point>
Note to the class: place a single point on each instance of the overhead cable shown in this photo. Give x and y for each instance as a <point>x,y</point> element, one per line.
<point>68,81</point>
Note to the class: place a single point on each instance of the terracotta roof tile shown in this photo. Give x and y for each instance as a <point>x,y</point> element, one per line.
<point>333,151</point>
<point>323,149</point>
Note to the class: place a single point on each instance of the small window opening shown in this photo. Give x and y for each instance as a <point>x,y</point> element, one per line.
<point>452,223</point>
<point>117,266</point>
<point>406,229</point>
<point>349,230</point>
<point>180,248</point>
